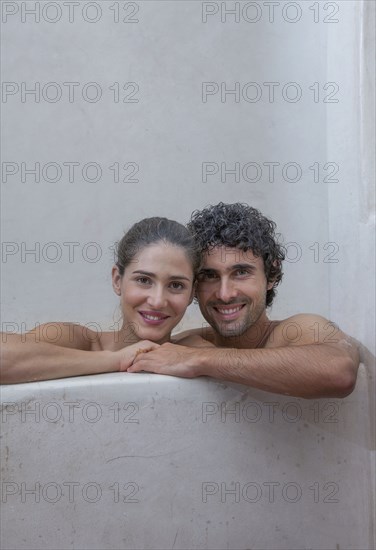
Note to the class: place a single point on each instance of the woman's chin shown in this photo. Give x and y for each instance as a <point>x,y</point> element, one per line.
<point>154,335</point>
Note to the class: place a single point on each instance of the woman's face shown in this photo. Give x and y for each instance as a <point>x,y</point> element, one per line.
<point>155,290</point>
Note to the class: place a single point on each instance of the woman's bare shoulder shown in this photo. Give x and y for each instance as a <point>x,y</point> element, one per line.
<point>64,334</point>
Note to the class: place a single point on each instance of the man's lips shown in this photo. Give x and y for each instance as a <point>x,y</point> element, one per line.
<point>229,311</point>
<point>153,317</point>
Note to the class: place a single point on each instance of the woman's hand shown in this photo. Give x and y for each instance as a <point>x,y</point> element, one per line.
<point>171,359</point>
<point>127,355</point>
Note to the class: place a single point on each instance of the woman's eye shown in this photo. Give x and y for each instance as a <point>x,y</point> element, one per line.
<point>143,280</point>
<point>177,286</point>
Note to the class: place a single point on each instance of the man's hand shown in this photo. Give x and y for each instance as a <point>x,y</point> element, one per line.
<point>171,359</point>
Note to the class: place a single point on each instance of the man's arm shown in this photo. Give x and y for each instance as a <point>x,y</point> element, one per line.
<point>305,356</point>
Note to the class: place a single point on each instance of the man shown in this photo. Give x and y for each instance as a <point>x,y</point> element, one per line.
<point>303,356</point>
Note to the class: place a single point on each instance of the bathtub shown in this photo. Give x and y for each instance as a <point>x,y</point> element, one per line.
<point>142,461</point>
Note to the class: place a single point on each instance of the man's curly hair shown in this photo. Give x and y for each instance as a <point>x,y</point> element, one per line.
<point>240,226</point>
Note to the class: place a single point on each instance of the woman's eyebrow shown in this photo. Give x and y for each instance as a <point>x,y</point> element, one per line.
<point>144,272</point>
<point>179,277</point>
<point>150,274</point>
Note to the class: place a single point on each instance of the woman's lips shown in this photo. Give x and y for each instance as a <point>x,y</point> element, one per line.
<point>153,317</point>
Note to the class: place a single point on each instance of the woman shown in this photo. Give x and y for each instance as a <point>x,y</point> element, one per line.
<point>154,277</point>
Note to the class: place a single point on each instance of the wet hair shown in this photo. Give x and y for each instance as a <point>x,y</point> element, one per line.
<point>240,226</point>
<point>151,231</point>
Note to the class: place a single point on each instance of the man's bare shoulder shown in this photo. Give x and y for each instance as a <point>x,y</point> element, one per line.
<point>306,329</point>
<point>190,337</point>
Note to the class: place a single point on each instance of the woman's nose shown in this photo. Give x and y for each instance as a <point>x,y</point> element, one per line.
<point>157,299</point>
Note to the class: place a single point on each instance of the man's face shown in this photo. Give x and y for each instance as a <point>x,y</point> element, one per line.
<point>231,290</point>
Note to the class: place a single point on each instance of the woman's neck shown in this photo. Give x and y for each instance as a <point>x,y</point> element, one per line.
<point>126,336</point>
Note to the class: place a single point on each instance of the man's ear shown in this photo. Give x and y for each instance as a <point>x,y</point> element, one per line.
<point>116,280</point>
<point>270,284</point>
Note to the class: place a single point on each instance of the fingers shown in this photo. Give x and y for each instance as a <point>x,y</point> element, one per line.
<point>140,350</point>
<point>146,345</point>
<point>141,355</point>
<point>146,366</point>
<point>133,368</point>
<point>143,347</point>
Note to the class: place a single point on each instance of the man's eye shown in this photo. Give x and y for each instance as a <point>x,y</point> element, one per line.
<point>242,272</point>
<point>207,276</point>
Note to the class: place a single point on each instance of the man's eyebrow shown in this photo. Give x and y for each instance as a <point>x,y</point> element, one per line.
<point>250,267</point>
<point>206,271</point>
<point>150,274</point>
<point>243,266</point>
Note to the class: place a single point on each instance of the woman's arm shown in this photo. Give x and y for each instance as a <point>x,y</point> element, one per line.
<point>28,362</point>
<point>29,357</point>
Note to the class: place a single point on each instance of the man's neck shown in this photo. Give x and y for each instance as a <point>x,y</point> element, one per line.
<point>254,337</point>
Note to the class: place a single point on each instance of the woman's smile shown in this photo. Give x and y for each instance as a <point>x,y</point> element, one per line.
<point>153,317</point>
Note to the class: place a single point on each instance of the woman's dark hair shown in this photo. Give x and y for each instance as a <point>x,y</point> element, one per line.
<point>240,226</point>
<point>153,230</point>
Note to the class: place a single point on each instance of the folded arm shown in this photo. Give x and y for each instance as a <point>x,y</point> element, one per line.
<point>321,363</point>
<point>32,357</point>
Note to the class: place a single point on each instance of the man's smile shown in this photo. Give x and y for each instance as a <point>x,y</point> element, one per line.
<point>228,312</point>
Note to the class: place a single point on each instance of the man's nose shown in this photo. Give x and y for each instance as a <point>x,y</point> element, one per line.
<point>226,290</point>
<point>157,298</point>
